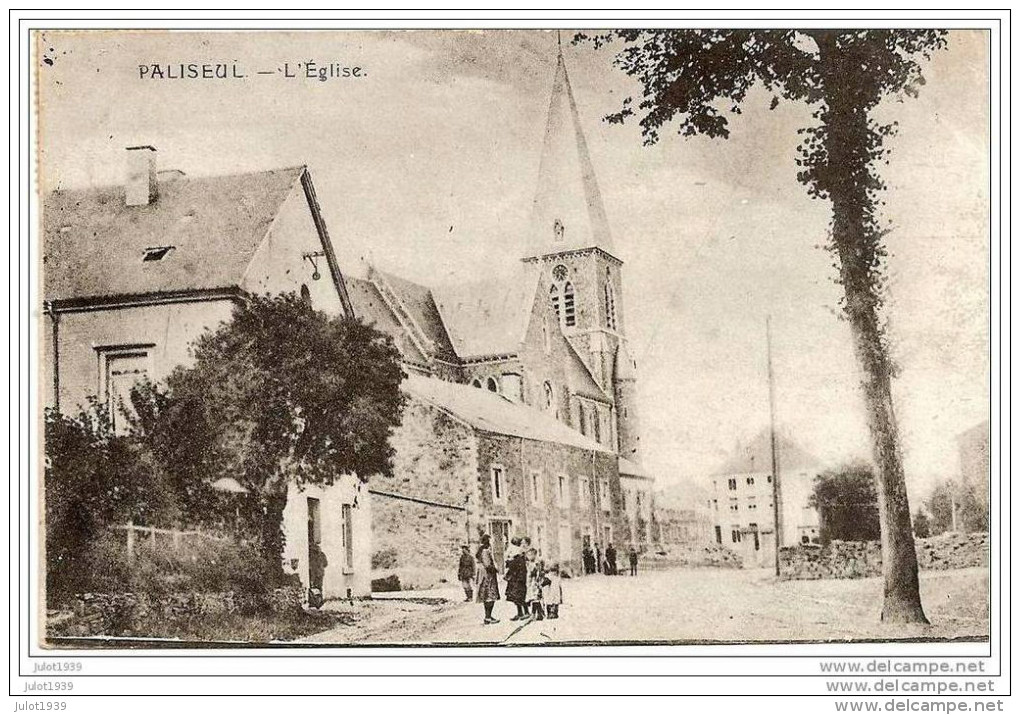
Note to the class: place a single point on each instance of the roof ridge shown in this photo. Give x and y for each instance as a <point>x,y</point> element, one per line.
<point>183,178</point>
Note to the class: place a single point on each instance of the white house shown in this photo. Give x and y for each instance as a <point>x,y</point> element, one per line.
<point>742,503</point>
<point>132,274</point>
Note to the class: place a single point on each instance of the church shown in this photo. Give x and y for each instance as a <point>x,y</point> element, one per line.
<point>521,416</point>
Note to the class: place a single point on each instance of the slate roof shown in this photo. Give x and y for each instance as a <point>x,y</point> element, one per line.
<point>417,300</point>
<point>567,190</point>
<point>757,457</point>
<point>93,242</point>
<point>487,317</point>
<point>368,304</point>
<point>580,378</point>
<point>488,412</point>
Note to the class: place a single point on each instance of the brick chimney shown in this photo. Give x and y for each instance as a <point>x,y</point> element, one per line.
<point>140,189</point>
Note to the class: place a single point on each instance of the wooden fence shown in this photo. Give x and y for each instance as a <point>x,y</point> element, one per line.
<point>175,537</point>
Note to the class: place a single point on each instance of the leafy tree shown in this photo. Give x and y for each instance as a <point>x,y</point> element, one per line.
<point>922,525</point>
<point>940,506</point>
<point>847,504</point>
<point>973,512</point>
<point>280,394</point>
<point>692,78</point>
<point>947,495</point>
<point>93,478</point>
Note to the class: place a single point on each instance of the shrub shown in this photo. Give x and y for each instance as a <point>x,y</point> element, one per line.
<point>384,558</point>
<point>93,477</point>
<point>157,568</point>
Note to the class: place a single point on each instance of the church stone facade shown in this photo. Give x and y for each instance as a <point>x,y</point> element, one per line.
<point>521,415</point>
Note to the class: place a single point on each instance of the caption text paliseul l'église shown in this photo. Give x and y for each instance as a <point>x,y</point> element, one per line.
<point>307,70</point>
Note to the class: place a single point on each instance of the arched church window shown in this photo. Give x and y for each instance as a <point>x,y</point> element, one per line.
<point>569,318</point>
<point>476,382</point>
<point>610,300</point>
<point>554,297</point>
<point>550,398</point>
<point>306,295</point>
<point>492,385</point>
<point>546,338</point>
<point>557,231</point>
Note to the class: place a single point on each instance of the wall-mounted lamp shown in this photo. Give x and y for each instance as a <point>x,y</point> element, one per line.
<point>310,257</point>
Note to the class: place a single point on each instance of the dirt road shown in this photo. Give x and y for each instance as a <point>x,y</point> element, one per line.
<point>683,605</point>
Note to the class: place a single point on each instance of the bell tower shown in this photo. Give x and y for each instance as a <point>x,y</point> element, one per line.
<point>569,238</point>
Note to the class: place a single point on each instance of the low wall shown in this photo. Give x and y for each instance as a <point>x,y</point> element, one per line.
<point>688,556</point>
<point>118,613</point>
<point>860,559</point>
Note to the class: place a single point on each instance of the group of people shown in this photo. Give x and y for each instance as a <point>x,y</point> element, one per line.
<point>536,591</point>
<point>595,561</point>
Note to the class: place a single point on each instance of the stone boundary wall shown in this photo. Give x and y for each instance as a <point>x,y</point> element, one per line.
<point>105,613</point>
<point>861,559</point>
<point>689,556</point>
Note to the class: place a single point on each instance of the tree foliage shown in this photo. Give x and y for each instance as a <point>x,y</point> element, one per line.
<point>280,394</point>
<point>947,495</point>
<point>696,79</point>
<point>93,478</point>
<point>847,503</point>
<point>922,524</point>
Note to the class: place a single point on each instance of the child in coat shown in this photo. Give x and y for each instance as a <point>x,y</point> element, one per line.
<point>552,592</point>
<point>533,596</point>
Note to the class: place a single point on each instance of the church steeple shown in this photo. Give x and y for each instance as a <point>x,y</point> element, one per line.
<point>567,212</point>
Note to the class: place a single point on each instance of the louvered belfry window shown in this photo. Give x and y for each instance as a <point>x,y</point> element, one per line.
<point>569,317</point>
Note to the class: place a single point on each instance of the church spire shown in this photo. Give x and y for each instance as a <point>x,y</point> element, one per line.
<point>567,212</point>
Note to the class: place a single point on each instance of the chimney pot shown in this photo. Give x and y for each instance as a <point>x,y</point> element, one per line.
<point>140,189</point>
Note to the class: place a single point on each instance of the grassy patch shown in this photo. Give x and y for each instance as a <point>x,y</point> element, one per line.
<point>223,627</point>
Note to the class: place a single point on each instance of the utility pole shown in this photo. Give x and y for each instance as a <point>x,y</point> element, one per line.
<point>777,492</point>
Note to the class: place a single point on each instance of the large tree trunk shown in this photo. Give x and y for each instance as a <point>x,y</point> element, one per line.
<point>902,599</point>
<point>849,145</point>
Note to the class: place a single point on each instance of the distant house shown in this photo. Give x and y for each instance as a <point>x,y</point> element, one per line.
<point>682,517</point>
<point>741,501</point>
<point>637,504</point>
<point>132,274</point>
<point>975,467</point>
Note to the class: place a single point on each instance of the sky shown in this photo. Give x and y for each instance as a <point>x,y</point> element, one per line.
<point>427,166</point>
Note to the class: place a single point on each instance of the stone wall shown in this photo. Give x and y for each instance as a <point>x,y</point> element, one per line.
<point>860,559</point>
<point>560,526</point>
<point>953,551</point>
<point>691,556</point>
<point>435,461</point>
<point>131,613</point>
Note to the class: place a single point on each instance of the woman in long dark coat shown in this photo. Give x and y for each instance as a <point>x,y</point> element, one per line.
<point>488,586</point>
<point>517,580</point>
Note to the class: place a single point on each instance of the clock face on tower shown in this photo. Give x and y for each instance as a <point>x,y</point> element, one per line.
<point>560,273</point>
